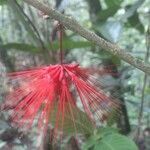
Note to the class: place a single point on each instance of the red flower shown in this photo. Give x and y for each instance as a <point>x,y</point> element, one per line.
<point>53,92</point>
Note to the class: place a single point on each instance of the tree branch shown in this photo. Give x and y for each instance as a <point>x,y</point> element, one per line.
<point>73,25</point>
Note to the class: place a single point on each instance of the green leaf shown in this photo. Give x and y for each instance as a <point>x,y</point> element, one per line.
<point>3,2</point>
<point>70,44</point>
<point>67,44</point>
<point>109,139</point>
<point>134,22</point>
<point>147,90</point>
<point>116,60</point>
<point>21,47</point>
<point>115,142</point>
<point>106,13</point>
<point>89,143</point>
<point>105,131</point>
<point>112,7</point>
<point>132,9</point>
<point>111,3</point>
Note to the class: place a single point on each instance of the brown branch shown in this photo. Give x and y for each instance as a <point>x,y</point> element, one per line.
<point>73,25</point>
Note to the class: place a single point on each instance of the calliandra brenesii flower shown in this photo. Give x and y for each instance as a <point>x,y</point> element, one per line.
<point>50,94</point>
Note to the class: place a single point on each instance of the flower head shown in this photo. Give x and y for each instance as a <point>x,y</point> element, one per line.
<point>51,94</point>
